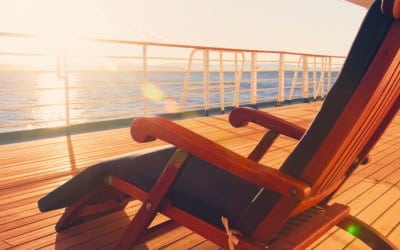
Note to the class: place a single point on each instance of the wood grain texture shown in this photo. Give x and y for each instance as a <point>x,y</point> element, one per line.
<point>28,170</point>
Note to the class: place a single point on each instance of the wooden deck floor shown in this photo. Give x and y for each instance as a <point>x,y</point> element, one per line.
<point>28,170</point>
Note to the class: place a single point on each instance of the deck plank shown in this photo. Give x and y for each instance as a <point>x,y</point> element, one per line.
<point>31,169</point>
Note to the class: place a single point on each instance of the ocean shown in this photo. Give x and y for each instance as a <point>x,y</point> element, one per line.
<point>37,99</point>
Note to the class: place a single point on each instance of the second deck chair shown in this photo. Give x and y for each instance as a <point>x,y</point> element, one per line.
<point>210,189</point>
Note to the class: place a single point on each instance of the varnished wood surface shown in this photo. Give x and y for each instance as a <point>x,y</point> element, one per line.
<point>28,170</point>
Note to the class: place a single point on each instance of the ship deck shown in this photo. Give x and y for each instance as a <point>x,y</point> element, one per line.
<point>30,169</point>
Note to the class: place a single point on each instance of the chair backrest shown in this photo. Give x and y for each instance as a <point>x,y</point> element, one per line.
<point>363,95</point>
<point>366,92</point>
<point>354,114</point>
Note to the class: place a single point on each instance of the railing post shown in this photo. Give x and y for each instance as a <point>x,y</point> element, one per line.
<point>62,72</point>
<point>238,77</point>
<point>322,78</point>
<point>305,79</point>
<point>314,80</point>
<point>187,80</point>
<point>221,82</point>
<point>281,78</point>
<point>145,79</point>
<point>329,73</point>
<point>295,75</point>
<point>206,78</point>
<point>253,79</point>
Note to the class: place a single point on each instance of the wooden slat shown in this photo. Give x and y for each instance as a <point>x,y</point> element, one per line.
<point>29,170</point>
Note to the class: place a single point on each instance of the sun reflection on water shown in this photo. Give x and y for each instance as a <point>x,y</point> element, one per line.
<point>50,100</point>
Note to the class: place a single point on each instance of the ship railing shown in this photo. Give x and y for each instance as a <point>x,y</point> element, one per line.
<point>91,80</point>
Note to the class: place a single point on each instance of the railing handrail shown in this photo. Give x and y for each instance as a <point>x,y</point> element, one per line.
<point>207,47</point>
<point>177,45</point>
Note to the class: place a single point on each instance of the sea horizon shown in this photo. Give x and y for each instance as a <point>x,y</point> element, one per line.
<point>39,96</point>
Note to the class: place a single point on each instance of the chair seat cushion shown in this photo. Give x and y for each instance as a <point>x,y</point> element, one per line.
<point>200,189</point>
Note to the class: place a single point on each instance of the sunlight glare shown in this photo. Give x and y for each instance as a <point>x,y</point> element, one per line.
<point>171,105</point>
<point>51,100</point>
<point>106,63</point>
<point>58,24</point>
<point>152,92</point>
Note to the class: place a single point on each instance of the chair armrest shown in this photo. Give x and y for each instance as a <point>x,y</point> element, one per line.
<point>147,129</point>
<point>240,117</point>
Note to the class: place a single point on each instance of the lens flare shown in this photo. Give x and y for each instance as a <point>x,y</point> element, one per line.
<point>152,92</point>
<point>353,229</point>
<point>171,105</point>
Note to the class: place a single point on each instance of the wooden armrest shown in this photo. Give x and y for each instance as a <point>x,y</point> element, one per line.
<point>146,129</point>
<point>240,117</point>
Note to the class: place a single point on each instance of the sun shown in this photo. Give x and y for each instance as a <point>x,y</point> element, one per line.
<point>60,23</point>
<point>58,28</point>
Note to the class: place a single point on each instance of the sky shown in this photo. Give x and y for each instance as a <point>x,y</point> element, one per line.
<point>307,26</point>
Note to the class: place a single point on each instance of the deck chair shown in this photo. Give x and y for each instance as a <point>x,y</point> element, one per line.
<point>235,201</point>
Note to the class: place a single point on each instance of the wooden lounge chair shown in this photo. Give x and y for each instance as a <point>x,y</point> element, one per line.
<point>210,189</point>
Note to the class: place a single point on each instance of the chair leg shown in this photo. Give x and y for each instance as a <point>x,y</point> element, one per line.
<point>263,146</point>
<point>100,201</point>
<point>139,224</point>
<point>366,233</point>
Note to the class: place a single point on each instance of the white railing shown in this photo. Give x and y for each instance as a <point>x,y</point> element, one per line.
<point>100,79</point>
